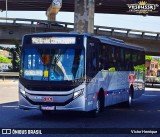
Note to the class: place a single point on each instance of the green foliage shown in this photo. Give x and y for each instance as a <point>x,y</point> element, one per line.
<point>112,69</point>
<point>4,59</point>
<point>158,63</point>
<point>147,57</point>
<point>15,56</point>
<point>140,68</point>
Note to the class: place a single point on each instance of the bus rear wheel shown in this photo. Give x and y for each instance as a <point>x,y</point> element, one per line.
<point>129,102</point>
<point>130,97</point>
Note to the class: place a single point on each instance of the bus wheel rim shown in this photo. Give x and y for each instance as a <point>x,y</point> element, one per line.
<point>130,99</point>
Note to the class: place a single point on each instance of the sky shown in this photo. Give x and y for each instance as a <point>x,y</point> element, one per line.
<point>138,22</point>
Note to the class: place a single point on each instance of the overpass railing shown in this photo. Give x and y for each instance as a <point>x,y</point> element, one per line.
<point>34,22</point>
<point>3,75</point>
<point>100,30</point>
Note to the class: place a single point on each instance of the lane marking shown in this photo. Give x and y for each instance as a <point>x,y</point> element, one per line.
<point>150,95</point>
<point>9,106</point>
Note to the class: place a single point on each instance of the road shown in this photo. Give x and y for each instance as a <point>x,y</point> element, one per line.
<point>144,113</point>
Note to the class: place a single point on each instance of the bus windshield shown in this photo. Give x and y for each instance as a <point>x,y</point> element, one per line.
<point>53,64</point>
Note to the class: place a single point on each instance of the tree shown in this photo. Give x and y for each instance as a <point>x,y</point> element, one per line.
<point>147,57</point>
<point>112,69</point>
<point>158,63</point>
<point>3,59</point>
<point>15,56</point>
<point>140,68</point>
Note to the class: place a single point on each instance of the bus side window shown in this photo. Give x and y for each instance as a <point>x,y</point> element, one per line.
<point>134,57</point>
<point>122,59</point>
<point>111,58</point>
<point>118,66</point>
<point>91,57</point>
<point>140,57</point>
<point>128,60</point>
<point>100,58</point>
<point>103,57</point>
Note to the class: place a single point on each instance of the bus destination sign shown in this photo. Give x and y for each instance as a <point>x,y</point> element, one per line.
<point>53,40</point>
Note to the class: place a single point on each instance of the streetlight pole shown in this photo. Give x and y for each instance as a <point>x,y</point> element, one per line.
<point>6,9</point>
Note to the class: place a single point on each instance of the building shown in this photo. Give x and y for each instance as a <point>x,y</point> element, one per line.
<point>5,53</point>
<point>151,67</point>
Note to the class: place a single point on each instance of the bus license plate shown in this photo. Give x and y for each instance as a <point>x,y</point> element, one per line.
<point>47,107</point>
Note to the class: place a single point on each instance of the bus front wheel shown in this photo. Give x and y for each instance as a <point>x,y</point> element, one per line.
<point>94,113</point>
<point>99,104</point>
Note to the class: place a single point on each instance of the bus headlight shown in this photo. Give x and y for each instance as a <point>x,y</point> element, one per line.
<point>22,92</point>
<point>78,93</point>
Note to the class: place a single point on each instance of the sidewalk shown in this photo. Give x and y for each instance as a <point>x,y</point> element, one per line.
<point>13,81</point>
<point>8,91</point>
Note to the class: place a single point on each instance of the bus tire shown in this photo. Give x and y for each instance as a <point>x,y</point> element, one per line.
<point>99,104</point>
<point>101,99</point>
<point>130,97</point>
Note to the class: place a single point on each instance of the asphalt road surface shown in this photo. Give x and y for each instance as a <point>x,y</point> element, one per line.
<point>144,113</point>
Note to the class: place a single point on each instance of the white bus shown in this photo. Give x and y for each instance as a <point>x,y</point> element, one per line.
<point>78,72</point>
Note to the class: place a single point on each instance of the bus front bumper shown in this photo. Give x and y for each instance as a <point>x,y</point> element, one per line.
<point>77,104</point>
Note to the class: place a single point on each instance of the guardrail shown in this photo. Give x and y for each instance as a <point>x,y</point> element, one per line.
<point>8,74</point>
<point>33,22</point>
<point>152,84</point>
<point>153,80</point>
<point>112,31</point>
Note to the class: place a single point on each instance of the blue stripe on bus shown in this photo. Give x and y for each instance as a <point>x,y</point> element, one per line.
<point>116,91</point>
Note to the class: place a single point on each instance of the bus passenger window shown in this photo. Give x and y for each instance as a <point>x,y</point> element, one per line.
<point>128,60</point>
<point>127,55</point>
<point>92,59</point>
<point>111,58</point>
<point>103,57</point>
<point>134,56</point>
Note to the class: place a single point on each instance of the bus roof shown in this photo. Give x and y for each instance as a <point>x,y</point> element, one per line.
<point>117,42</point>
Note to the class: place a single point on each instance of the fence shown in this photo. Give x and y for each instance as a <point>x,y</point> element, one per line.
<point>152,80</point>
<point>3,75</point>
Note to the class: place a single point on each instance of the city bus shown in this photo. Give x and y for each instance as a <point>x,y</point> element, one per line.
<point>78,72</point>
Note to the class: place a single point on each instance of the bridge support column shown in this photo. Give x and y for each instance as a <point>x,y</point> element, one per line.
<point>84,16</point>
<point>52,17</point>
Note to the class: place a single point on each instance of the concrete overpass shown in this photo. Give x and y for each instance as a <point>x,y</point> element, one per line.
<point>14,29</point>
<point>85,9</point>
<point>101,6</point>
